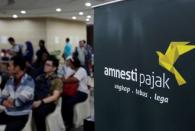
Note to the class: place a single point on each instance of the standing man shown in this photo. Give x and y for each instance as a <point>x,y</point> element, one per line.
<point>39,54</point>
<point>16,49</point>
<point>17,96</point>
<point>67,48</point>
<point>88,57</point>
<point>81,52</point>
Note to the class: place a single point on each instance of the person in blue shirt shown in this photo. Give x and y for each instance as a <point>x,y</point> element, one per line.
<point>17,96</point>
<point>67,48</point>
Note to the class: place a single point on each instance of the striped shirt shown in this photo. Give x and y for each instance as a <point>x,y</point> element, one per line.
<point>22,95</point>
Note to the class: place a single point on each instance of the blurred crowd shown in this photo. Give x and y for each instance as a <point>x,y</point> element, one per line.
<point>35,81</point>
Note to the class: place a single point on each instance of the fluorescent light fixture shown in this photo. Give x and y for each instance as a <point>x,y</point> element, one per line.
<point>87,19</point>
<point>15,16</point>
<point>81,13</point>
<point>58,9</point>
<point>88,4</point>
<point>107,3</point>
<point>23,12</point>
<point>74,17</point>
<point>88,16</point>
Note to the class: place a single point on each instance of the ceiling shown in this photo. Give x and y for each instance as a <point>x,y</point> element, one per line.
<point>47,8</point>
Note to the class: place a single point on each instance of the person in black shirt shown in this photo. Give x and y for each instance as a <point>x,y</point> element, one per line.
<point>41,53</point>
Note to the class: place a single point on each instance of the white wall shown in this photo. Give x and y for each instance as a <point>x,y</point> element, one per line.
<point>22,30</point>
<point>59,30</point>
<point>54,31</point>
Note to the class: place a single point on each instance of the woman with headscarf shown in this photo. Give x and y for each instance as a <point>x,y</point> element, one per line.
<point>29,52</point>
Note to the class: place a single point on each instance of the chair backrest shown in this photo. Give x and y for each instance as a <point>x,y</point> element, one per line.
<point>54,121</point>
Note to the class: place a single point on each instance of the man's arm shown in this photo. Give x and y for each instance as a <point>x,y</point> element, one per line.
<point>4,95</point>
<point>4,98</point>
<point>26,95</point>
<point>57,85</point>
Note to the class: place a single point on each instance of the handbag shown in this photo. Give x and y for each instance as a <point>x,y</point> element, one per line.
<point>70,89</point>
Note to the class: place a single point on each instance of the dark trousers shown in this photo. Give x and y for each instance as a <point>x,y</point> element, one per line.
<point>68,104</point>
<point>40,114</point>
<point>13,123</point>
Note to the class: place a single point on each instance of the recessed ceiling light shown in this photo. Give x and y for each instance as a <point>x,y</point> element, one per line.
<point>74,17</point>
<point>15,16</point>
<point>88,4</point>
<point>58,9</point>
<point>23,12</point>
<point>87,19</point>
<point>81,13</point>
<point>88,16</point>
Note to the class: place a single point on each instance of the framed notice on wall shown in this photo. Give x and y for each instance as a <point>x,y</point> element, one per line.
<point>3,39</point>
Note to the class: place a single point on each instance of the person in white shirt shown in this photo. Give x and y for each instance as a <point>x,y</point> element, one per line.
<point>82,52</point>
<point>16,49</point>
<point>68,102</point>
<point>64,70</point>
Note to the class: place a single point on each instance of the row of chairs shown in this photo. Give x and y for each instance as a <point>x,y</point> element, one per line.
<point>54,121</point>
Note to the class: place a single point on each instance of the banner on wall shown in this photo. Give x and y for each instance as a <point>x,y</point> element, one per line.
<point>144,66</point>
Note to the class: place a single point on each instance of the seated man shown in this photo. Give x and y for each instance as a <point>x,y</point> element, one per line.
<point>47,92</point>
<point>4,76</point>
<point>17,96</point>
